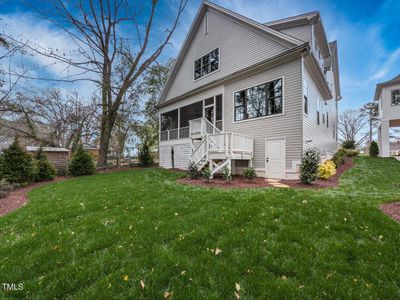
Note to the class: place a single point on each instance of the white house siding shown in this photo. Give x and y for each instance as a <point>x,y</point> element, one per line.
<point>303,33</point>
<point>182,151</point>
<point>288,125</point>
<point>240,47</point>
<point>315,135</point>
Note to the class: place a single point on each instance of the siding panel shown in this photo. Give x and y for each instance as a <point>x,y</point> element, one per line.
<point>303,33</point>
<point>287,125</point>
<point>240,47</point>
<point>315,135</point>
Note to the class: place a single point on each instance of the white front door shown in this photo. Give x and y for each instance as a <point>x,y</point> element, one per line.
<point>275,158</point>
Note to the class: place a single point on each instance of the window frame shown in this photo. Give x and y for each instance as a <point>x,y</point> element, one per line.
<point>305,96</point>
<point>282,78</point>
<point>392,93</point>
<point>201,64</point>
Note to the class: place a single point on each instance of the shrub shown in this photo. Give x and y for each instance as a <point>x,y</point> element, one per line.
<point>16,164</point>
<point>249,173</point>
<point>352,153</point>
<point>206,174</point>
<point>326,170</point>
<point>44,169</point>
<point>373,149</point>
<point>349,144</point>
<point>62,172</point>
<point>5,188</point>
<point>338,157</point>
<point>227,175</point>
<point>145,157</point>
<point>81,163</point>
<point>309,165</point>
<point>192,171</point>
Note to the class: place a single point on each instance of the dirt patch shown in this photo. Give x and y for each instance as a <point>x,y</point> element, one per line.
<point>392,210</point>
<point>19,198</point>
<point>320,183</point>
<point>238,181</point>
<point>259,182</point>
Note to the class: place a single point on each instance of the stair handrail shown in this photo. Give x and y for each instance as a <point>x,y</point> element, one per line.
<point>194,152</point>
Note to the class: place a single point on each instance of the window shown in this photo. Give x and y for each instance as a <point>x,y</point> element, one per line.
<point>327,120</point>
<point>259,101</point>
<point>205,23</point>
<point>396,97</point>
<point>207,64</point>
<point>318,107</point>
<point>305,92</point>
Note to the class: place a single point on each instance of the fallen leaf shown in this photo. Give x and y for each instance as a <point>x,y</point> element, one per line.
<point>237,286</point>
<point>167,294</point>
<point>142,284</point>
<point>183,272</point>
<point>126,277</point>
<point>237,295</point>
<point>284,277</point>
<point>217,251</point>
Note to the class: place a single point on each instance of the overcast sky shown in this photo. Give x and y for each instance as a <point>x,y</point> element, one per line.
<point>368,35</point>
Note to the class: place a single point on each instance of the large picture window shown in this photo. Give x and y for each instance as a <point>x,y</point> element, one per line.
<point>396,97</point>
<point>259,101</point>
<point>206,64</point>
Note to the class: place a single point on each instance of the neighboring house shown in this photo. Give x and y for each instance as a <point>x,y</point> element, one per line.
<point>388,95</point>
<point>395,148</point>
<point>92,149</point>
<point>243,93</point>
<point>58,156</point>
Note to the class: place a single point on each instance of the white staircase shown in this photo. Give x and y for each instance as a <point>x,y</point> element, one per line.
<point>217,148</point>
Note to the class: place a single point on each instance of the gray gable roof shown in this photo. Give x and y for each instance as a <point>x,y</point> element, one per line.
<point>379,86</point>
<point>276,35</point>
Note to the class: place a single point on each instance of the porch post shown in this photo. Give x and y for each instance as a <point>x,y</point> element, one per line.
<point>384,139</point>
<point>179,123</point>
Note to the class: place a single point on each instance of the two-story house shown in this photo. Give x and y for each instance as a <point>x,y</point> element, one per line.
<point>243,93</point>
<point>388,95</point>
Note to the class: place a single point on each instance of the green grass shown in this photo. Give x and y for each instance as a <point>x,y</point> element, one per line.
<point>79,238</point>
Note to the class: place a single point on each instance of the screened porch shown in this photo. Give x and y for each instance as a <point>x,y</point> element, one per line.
<point>175,124</point>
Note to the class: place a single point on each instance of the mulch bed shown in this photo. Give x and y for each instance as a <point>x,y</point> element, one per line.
<point>259,182</point>
<point>19,198</point>
<point>320,183</point>
<point>392,210</point>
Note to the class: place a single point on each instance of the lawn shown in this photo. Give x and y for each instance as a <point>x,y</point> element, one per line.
<point>97,237</point>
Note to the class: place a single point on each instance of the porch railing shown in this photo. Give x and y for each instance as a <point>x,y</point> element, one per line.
<point>174,134</point>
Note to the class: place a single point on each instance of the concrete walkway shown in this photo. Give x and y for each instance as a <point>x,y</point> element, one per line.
<point>276,183</point>
<point>397,157</point>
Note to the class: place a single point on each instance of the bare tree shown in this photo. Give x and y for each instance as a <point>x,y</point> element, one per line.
<point>8,81</point>
<point>352,126</point>
<point>95,28</point>
<point>52,118</point>
<point>370,109</point>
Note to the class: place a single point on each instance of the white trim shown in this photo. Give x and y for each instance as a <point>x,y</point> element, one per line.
<point>219,64</point>
<point>263,117</point>
<point>284,152</point>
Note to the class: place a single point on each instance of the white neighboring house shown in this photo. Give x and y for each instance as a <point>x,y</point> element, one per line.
<point>388,95</point>
<point>243,93</point>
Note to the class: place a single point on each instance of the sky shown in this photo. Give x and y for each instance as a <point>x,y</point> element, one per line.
<point>367,33</point>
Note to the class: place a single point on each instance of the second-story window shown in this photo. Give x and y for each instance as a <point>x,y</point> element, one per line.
<point>396,97</point>
<point>305,92</point>
<point>259,101</point>
<point>318,107</point>
<point>206,64</point>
